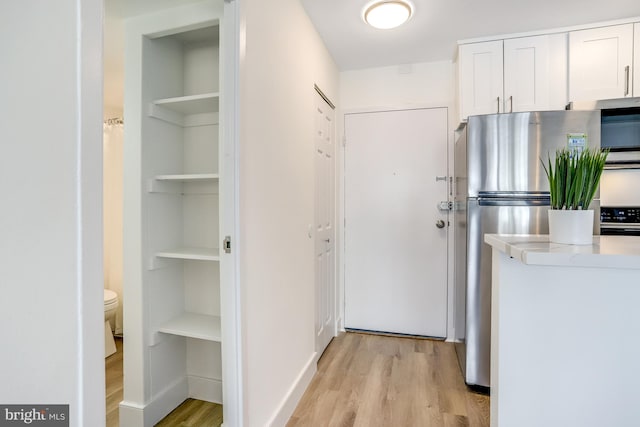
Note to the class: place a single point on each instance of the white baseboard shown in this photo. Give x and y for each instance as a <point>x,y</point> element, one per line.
<point>297,389</point>
<point>133,414</point>
<point>166,401</point>
<point>207,389</point>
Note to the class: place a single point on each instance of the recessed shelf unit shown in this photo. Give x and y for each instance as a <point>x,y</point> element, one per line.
<point>194,325</point>
<point>178,84</point>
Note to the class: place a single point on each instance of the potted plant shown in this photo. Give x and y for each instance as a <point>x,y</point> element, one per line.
<point>573,181</point>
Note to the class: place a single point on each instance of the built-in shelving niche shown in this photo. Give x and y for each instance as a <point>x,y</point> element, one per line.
<point>180,140</point>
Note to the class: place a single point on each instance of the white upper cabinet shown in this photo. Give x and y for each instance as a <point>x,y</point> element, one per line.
<point>519,74</point>
<point>600,63</point>
<point>481,82</point>
<point>535,73</point>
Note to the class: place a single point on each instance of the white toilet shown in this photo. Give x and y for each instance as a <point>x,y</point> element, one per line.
<point>110,306</point>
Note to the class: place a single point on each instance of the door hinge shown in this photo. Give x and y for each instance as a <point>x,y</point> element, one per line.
<point>226,245</point>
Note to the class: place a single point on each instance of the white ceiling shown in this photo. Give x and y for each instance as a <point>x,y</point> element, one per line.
<point>436,25</point>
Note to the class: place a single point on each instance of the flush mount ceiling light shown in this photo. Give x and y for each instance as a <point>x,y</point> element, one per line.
<point>387,14</point>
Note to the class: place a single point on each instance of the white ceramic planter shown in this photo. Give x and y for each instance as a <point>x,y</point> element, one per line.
<point>571,227</point>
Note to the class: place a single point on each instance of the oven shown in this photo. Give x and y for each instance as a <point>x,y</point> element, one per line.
<point>620,221</point>
<point>620,201</point>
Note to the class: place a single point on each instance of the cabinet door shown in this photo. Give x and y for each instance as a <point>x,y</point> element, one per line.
<point>600,61</point>
<point>535,73</point>
<point>480,73</point>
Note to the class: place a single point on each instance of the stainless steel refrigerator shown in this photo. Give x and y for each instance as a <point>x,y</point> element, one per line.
<point>501,187</point>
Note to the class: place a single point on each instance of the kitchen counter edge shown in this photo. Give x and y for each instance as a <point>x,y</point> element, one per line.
<point>621,252</point>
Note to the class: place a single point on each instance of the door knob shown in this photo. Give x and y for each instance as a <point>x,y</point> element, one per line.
<point>440,223</point>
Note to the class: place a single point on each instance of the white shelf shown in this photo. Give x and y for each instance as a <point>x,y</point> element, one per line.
<point>194,177</point>
<point>185,111</point>
<point>200,254</point>
<point>194,325</point>
<point>196,183</point>
<point>191,104</point>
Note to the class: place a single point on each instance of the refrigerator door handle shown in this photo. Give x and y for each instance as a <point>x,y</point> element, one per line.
<point>514,202</point>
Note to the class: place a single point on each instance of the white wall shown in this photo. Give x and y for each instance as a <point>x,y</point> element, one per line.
<point>112,213</point>
<point>51,308</point>
<point>113,62</point>
<point>410,85</point>
<point>429,84</point>
<point>283,59</point>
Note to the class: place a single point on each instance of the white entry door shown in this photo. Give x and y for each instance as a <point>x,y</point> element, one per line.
<point>324,141</point>
<point>395,250</point>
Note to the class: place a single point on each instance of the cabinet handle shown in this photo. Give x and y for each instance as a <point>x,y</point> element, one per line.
<point>511,104</point>
<point>626,80</point>
<point>498,104</point>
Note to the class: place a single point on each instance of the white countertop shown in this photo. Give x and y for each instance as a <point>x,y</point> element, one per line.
<point>606,251</point>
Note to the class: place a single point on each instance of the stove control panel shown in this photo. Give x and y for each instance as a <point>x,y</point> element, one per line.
<point>620,215</point>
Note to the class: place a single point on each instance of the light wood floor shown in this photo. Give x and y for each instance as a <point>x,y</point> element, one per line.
<point>194,413</point>
<point>113,376</point>
<point>191,413</point>
<point>362,380</point>
<point>369,380</point>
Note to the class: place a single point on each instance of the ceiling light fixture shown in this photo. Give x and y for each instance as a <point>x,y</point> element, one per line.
<point>385,15</point>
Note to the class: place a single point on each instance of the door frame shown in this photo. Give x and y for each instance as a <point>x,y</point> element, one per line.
<point>452,133</point>
<point>230,297</point>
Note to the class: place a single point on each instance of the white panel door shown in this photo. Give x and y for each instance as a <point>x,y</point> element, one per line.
<point>395,254</point>
<point>324,141</point>
<point>600,61</point>
<point>481,71</point>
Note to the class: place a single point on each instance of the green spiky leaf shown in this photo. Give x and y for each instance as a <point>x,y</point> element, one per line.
<point>574,178</point>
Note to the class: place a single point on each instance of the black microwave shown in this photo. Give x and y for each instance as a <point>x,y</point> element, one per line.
<point>619,128</point>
